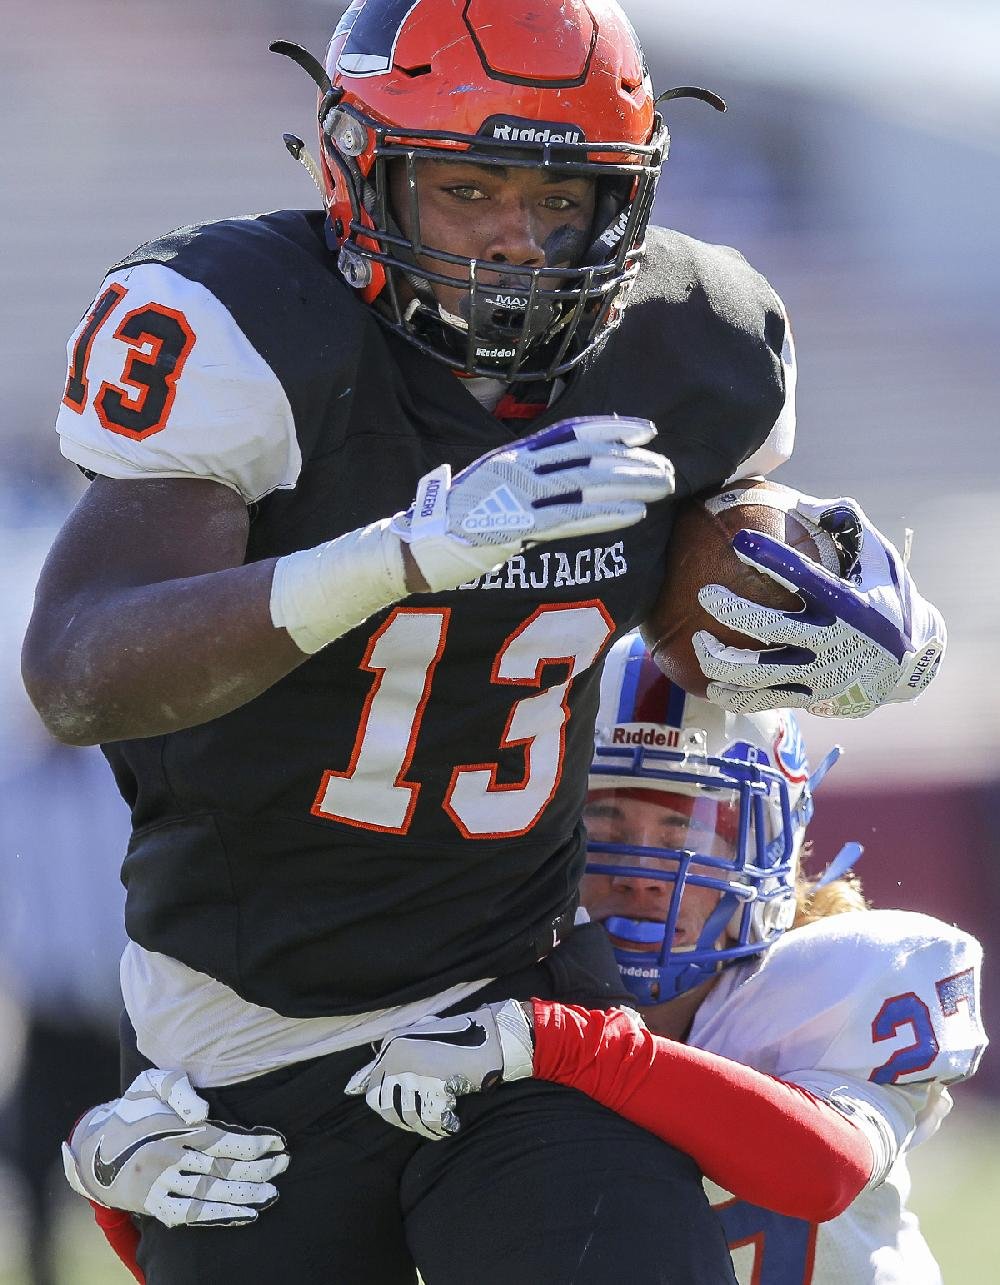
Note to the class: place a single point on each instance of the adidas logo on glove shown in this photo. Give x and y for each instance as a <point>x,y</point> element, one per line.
<point>499,511</point>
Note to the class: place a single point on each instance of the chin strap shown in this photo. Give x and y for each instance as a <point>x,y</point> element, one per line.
<point>299,152</point>
<point>803,810</point>
<point>850,854</point>
<point>316,72</point>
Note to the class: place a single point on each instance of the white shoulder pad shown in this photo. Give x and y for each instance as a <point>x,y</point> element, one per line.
<point>163,383</point>
<point>777,446</point>
<point>876,1011</point>
<point>883,996</point>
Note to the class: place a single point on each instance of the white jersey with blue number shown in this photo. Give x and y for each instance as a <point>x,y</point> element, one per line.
<point>876,1012</point>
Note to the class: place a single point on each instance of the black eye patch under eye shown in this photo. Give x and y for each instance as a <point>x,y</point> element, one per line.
<point>566,244</point>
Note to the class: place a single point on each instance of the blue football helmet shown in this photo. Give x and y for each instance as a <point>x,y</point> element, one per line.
<point>696,818</point>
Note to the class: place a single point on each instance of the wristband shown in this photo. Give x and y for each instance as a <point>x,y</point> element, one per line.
<point>320,594</point>
<point>517,1041</point>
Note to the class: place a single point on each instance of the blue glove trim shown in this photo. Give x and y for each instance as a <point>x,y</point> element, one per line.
<point>827,599</point>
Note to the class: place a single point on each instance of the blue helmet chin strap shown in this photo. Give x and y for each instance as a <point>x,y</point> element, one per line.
<point>823,767</point>
<point>850,854</point>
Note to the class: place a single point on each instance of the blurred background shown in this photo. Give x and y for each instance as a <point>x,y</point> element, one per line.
<point>858,167</point>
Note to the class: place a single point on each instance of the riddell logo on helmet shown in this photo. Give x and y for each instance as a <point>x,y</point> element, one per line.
<point>514,129</point>
<point>645,734</point>
<point>612,235</point>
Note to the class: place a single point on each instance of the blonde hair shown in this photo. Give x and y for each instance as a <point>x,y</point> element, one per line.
<point>836,898</point>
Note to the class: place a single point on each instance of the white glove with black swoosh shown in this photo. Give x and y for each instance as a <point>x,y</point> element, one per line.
<point>416,1078</point>
<point>154,1151</point>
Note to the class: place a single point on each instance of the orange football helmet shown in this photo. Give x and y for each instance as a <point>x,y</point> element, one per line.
<point>560,84</point>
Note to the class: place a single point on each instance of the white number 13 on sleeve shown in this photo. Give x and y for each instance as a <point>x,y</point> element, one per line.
<point>374,792</point>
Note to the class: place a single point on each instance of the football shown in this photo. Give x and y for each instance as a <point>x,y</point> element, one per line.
<point>700,553</point>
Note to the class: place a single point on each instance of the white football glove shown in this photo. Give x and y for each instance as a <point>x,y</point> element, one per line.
<point>154,1151</point>
<point>578,477</point>
<point>418,1074</point>
<point>861,640</point>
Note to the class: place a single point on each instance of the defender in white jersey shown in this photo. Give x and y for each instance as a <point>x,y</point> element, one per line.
<point>844,1032</point>
<point>876,1011</point>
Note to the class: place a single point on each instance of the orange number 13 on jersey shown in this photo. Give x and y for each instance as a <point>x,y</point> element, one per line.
<point>374,791</point>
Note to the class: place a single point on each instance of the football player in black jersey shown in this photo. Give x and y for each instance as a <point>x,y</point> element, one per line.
<point>374,490</point>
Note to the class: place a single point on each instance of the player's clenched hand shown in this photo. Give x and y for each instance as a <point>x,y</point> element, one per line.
<point>416,1078</point>
<point>578,477</point>
<point>154,1151</point>
<point>861,640</point>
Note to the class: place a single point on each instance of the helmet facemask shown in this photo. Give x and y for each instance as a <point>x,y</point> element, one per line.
<point>732,828</point>
<point>512,322</point>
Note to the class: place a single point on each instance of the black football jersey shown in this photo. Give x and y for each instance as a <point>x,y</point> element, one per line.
<point>402,811</point>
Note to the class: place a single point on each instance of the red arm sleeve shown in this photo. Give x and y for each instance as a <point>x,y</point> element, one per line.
<point>768,1142</point>
<point>121,1234</point>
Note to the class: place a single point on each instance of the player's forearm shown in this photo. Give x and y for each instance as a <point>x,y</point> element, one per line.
<point>153,659</point>
<point>122,1234</point>
<point>768,1142</point>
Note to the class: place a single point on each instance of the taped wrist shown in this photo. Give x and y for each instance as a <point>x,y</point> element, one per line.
<point>443,558</point>
<point>320,594</point>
